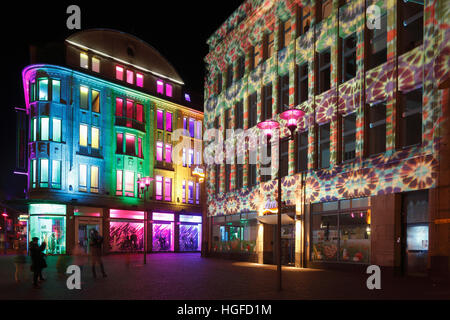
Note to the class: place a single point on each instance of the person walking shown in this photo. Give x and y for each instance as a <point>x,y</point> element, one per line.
<point>95,244</point>
<point>37,260</point>
<point>19,261</point>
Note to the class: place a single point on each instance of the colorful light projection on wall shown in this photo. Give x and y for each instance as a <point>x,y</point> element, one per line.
<point>126,236</point>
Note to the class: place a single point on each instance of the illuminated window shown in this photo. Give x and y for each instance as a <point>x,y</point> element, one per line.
<point>191,192</point>
<point>34,129</point>
<point>168,121</point>
<point>191,157</point>
<point>183,196</point>
<point>197,193</point>
<point>82,185</point>
<point>84,98</point>
<point>84,60</point>
<point>160,86</point>
<point>198,160</point>
<point>285,34</point>
<point>168,153</point>
<point>32,91</point>
<point>191,127</point>
<point>130,76</point>
<point>119,143</point>
<point>159,151</point>
<point>56,136</point>
<point>94,179</point>
<point>44,173</point>
<point>119,73</point>
<point>95,65</point>
<point>43,89</point>
<point>187,97</point>
<point>130,105</point>
<point>56,90</point>
<point>119,107</point>
<point>95,101</point>
<point>130,145</point>
<point>348,58</point>
<point>139,80</point>
<point>95,138</point>
<point>168,189</point>
<point>119,182</point>
<point>199,130</point>
<point>159,188</point>
<point>44,128</point>
<point>185,125</point>
<point>129,183</point>
<point>139,112</point>
<point>324,146</point>
<point>168,90</point>
<point>83,135</point>
<point>140,154</point>
<point>184,157</point>
<point>34,172</point>
<point>349,137</point>
<point>159,119</point>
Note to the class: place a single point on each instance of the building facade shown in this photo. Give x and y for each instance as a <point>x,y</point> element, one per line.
<point>116,114</point>
<point>366,177</point>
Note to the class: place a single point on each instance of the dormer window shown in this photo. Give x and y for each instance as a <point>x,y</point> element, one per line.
<point>130,76</point>
<point>187,97</point>
<point>168,90</point>
<point>119,73</point>
<point>84,60</point>
<point>95,64</point>
<point>160,86</point>
<point>139,80</point>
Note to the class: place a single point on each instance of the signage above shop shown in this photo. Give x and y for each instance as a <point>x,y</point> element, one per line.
<point>163,216</point>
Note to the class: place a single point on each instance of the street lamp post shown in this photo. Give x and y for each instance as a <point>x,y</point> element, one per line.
<point>144,184</point>
<point>268,127</point>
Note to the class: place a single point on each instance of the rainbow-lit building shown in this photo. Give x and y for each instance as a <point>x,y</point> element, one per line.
<point>366,179</point>
<point>114,114</point>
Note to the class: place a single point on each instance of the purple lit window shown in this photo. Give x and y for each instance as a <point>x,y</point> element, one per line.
<point>191,192</point>
<point>160,86</point>
<point>197,193</point>
<point>159,151</point>
<point>187,97</point>
<point>168,121</point>
<point>140,147</point>
<point>139,80</point>
<point>183,196</point>
<point>168,189</point>
<point>130,76</point>
<point>168,155</point>
<point>139,112</point>
<point>130,145</point>
<point>191,157</point>
<point>119,145</point>
<point>159,188</point>
<point>119,73</point>
<point>191,127</point>
<point>185,124</point>
<point>119,107</point>
<point>168,90</point>
<point>159,119</point>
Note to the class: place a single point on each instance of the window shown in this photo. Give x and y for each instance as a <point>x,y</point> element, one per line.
<point>284,92</point>
<point>199,160</point>
<point>191,157</point>
<point>83,178</point>
<point>44,128</point>
<point>410,31</point>
<point>168,153</point>
<point>95,137</point>
<point>324,8</point>
<point>140,80</point>
<point>184,157</point>
<point>267,102</point>
<point>239,115</point>
<point>159,151</point>
<point>84,60</point>
<point>129,183</point>
<point>140,153</point>
<point>56,90</point>
<point>119,73</point>
<point>219,83</point>
<point>240,67</point>
<point>84,98</point>
<point>324,69</point>
<point>32,90</point>
<point>83,135</point>
<point>130,76</point>
<point>253,110</point>
<point>129,110</point>
<point>378,44</point>
<point>43,89</point>
<point>197,193</point>
<point>94,179</point>
<point>159,119</point>
<point>183,196</point>
<point>284,160</point>
<point>34,130</point>
<point>302,83</point>
<point>159,188</point>
<point>285,34</point>
<point>168,90</point>
<point>184,125</point>
<point>302,151</point>
<point>168,189</point>
<point>187,97</point>
<point>56,134</point>
<point>324,146</point>
<point>252,169</point>
<point>268,48</point>
<point>44,173</point>
<point>119,107</point>
<point>377,129</point>
<point>217,179</point>
<point>95,101</point>
<point>33,169</point>
<point>239,172</point>
<point>119,144</point>
<point>130,145</point>
<point>160,87</point>
<point>191,192</point>
<point>349,137</point>
<point>199,130</point>
<point>229,75</point>
<point>348,58</point>
<point>95,64</point>
<point>256,54</point>
<point>168,121</point>
<point>191,127</point>
<point>266,168</point>
<point>56,174</point>
<point>139,112</point>
<point>227,177</point>
<point>303,19</point>
<point>228,120</point>
<point>411,118</point>
<point>119,182</point>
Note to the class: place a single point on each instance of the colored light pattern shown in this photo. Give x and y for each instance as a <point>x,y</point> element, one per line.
<point>126,236</point>
<point>126,214</point>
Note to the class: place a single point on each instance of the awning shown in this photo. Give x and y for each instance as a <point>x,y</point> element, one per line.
<point>273,219</point>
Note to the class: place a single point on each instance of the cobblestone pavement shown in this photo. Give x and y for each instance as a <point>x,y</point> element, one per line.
<point>188,276</point>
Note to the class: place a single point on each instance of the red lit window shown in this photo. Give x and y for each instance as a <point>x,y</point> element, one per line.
<point>130,145</point>
<point>139,113</point>
<point>130,76</point>
<point>119,107</point>
<point>119,145</point>
<point>139,79</point>
<point>119,73</point>
<point>140,147</point>
<point>129,112</point>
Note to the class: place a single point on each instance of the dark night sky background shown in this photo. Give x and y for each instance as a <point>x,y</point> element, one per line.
<point>177,29</point>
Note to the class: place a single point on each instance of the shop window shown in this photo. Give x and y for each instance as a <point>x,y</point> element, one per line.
<point>302,83</point>
<point>129,183</point>
<point>229,75</point>
<point>56,132</point>
<point>324,237</point>
<point>240,67</point>
<point>95,65</point>
<point>284,160</point>
<point>197,193</point>
<point>303,19</point>
<point>253,110</point>
<point>168,121</point>
<point>43,89</point>
<point>56,174</point>
<point>183,195</point>
<point>285,34</point>
<point>159,119</point>
<point>284,93</point>
<point>163,236</point>
<point>159,151</point>
<point>239,115</point>
<point>160,87</point>
<point>324,70</point>
<point>217,179</point>
<point>49,229</point>
<point>410,31</point>
<point>348,55</point>
<point>267,102</point>
<point>82,180</point>
<point>130,76</point>
<point>191,192</point>
<point>349,137</point>
<point>191,127</point>
<point>324,146</point>
<point>411,118</point>
<point>252,169</point>
<point>140,153</point>
<point>95,101</point>
<point>377,129</point>
<point>119,107</point>
<point>56,90</point>
<point>83,135</point>
<point>302,151</point>
<point>266,168</point>
<point>84,97</point>
<point>95,138</point>
<point>227,177</point>
<point>169,90</point>
<point>119,73</point>
<point>120,233</point>
<point>119,182</point>
<point>167,189</point>
<point>119,143</point>
<point>378,44</point>
<point>130,145</point>
<point>140,80</point>
<point>168,153</point>
<point>84,60</point>
<point>44,128</point>
<point>94,179</point>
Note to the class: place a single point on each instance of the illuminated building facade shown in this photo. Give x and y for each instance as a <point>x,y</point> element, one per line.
<point>364,180</point>
<point>116,113</point>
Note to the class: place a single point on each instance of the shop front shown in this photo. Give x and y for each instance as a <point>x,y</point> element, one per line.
<point>190,233</point>
<point>126,231</point>
<point>163,232</point>
<point>86,220</point>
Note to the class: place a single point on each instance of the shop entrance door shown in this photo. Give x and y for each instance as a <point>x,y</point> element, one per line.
<point>83,234</point>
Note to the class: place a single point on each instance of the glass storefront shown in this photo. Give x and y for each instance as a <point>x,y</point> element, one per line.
<point>341,231</point>
<point>48,223</point>
<point>126,231</point>
<point>163,232</point>
<point>190,233</point>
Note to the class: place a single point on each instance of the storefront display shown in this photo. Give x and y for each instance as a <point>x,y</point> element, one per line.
<point>190,233</point>
<point>126,231</point>
<point>163,232</point>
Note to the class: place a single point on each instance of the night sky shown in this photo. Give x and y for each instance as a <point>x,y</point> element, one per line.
<point>177,29</point>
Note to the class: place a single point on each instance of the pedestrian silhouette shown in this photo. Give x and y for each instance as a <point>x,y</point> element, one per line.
<point>37,260</point>
<point>95,244</point>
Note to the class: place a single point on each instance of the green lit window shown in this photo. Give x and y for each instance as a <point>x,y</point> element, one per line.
<point>33,173</point>
<point>44,128</point>
<point>56,130</point>
<point>34,129</point>
<point>83,135</point>
<point>84,97</point>
<point>94,179</point>
<point>83,178</point>
<point>95,101</point>
<point>44,173</point>
<point>56,90</point>
<point>32,91</point>
<point>43,89</point>
<point>56,174</point>
<point>95,132</point>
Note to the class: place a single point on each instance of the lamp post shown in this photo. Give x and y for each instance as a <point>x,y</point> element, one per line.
<point>5,215</point>
<point>268,127</point>
<point>144,184</point>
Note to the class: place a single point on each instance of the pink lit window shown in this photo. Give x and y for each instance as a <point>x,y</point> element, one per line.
<point>139,112</point>
<point>119,73</point>
<point>139,147</point>
<point>159,119</point>
<point>168,90</point>
<point>159,151</point>
<point>139,80</point>
<point>130,76</point>
<point>129,183</point>
<point>159,187</point>
<point>130,145</point>
<point>129,113</point>
<point>119,107</point>
<point>119,176</point>
<point>159,87</point>
<point>119,145</point>
<point>168,189</point>
<point>168,155</point>
<point>168,121</point>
